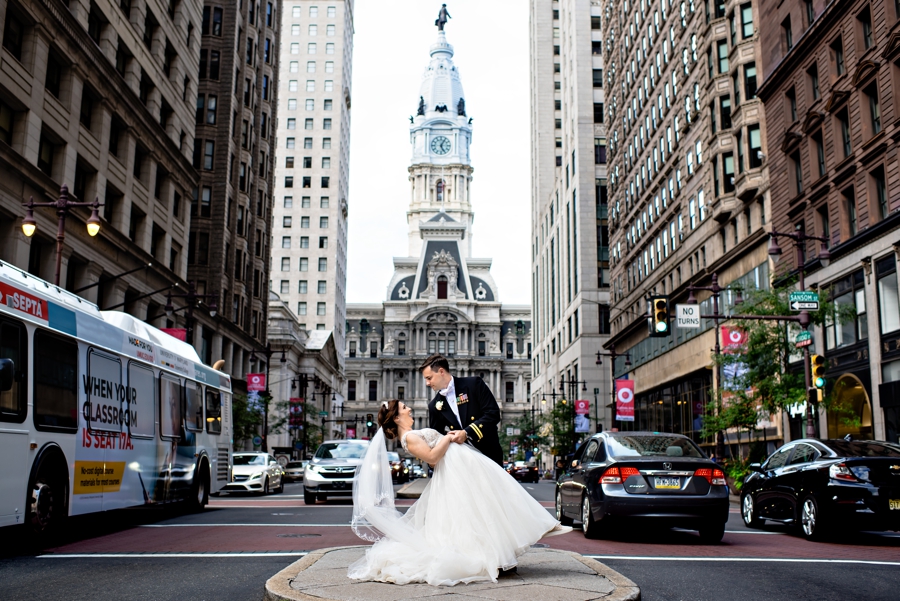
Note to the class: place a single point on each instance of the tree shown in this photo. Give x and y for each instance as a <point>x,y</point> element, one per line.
<point>246,419</point>
<point>562,416</point>
<point>761,380</point>
<point>528,438</point>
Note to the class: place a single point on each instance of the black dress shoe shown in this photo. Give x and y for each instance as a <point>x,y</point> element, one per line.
<point>511,571</point>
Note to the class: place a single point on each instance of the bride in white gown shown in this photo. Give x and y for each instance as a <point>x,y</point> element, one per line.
<point>472,520</point>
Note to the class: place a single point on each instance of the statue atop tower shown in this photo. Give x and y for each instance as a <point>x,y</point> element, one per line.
<point>443,17</point>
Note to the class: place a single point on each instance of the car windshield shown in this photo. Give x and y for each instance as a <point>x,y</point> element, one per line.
<point>393,456</point>
<point>652,446</point>
<point>249,460</point>
<point>295,464</point>
<point>851,448</point>
<point>521,464</point>
<point>340,450</point>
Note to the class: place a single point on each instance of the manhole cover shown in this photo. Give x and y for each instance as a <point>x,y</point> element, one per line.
<point>298,535</point>
<point>540,546</point>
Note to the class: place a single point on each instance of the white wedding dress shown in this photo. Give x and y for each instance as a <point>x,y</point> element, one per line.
<point>472,520</point>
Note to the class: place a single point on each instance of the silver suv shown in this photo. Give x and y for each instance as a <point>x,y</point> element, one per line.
<point>330,472</point>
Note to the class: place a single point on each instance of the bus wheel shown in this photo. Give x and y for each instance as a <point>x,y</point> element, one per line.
<point>47,498</point>
<point>200,488</point>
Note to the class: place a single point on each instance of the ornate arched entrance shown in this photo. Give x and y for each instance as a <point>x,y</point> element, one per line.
<point>851,410</point>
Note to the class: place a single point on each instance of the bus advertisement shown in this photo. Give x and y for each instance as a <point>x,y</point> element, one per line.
<point>100,411</point>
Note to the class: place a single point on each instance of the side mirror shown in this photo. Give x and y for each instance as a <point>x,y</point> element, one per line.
<point>560,464</point>
<point>574,463</point>
<point>7,374</point>
<point>755,467</point>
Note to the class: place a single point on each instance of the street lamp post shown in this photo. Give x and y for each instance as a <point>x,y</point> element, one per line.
<point>191,296</point>
<point>301,382</point>
<point>800,238</point>
<point>267,352</point>
<point>612,354</point>
<point>62,206</point>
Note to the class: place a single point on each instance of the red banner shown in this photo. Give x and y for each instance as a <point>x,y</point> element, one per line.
<point>582,407</point>
<point>179,333</point>
<point>296,411</point>
<point>351,432</point>
<point>625,400</point>
<point>734,339</point>
<point>256,382</point>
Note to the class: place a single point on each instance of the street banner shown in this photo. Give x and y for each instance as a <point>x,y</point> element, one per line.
<point>256,382</point>
<point>582,423</point>
<point>625,400</point>
<point>296,411</point>
<point>582,407</point>
<point>253,401</point>
<point>734,339</point>
<point>179,333</point>
<point>351,432</point>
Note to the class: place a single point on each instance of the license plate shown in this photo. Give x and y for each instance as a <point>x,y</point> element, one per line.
<point>894,504</point>
<point>668,483</point>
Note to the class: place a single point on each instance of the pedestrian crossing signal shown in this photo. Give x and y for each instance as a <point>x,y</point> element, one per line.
<point>660,321</point>
<point>369,420</point>
<point>818,370</point>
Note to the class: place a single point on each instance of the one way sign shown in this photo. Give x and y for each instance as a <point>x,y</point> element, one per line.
<point>804,301</point>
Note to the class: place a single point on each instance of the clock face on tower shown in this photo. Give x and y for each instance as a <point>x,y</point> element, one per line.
<point>440,145</point>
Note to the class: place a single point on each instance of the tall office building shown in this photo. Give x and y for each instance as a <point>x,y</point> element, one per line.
<point>309,254</point>
<point>832,96</point>
<point>570,246</point>
<point>231,208</point>
<point>688,188</point>
<point>99,96</point>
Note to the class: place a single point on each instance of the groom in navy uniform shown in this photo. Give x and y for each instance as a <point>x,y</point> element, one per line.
<point>464,405</point>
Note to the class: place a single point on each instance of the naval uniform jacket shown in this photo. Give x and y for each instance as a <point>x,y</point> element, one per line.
<point>478,412</point>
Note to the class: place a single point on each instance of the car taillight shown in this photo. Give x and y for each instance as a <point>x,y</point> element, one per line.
<point>840,471</point>
<point>713,476</point>
<point>615,475</point>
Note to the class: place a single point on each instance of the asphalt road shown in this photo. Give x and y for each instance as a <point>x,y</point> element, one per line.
<point>227,552</point>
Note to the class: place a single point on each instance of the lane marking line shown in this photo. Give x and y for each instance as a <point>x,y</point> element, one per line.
<point>244,525</point>
<point>746,559</point>
<point>174,555</point>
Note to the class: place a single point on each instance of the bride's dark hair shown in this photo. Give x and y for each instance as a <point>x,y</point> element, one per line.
<point>386,416</point>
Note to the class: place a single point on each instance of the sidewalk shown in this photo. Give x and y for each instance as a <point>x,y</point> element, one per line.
<point>414,489</point>
<point>543,575</point>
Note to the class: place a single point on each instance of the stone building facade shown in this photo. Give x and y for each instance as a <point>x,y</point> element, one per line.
<point>309,254</point>
<point>569,210</point>
<point>832,99</point>
<point>688,188</point>
<point>440,299</point>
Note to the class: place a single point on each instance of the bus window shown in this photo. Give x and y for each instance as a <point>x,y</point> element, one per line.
<point>213,411</point>
<point>14,346</point>
<point>55,395</point>
<point>102,386</point>
<point>142,409</point>
<point>193,407</point>
<point>170,406</point>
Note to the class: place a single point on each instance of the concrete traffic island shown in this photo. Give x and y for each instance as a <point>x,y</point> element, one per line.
<point>543,575</point>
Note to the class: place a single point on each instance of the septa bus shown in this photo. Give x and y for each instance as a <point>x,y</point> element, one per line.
<point>100,411</point>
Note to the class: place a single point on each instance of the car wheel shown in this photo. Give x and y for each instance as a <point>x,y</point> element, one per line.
<point>712,533</point>
<point>589,526</point>
<point>265,488</point>
<point>280,488</point>
<point>309,497</point>
<point>560,516</point>
<point>748,512</point>
<point>811,520</point>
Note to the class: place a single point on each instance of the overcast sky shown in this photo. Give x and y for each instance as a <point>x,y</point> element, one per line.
<point>390,53</point>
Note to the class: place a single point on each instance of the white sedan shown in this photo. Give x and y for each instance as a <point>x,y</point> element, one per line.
<point>255,472</point>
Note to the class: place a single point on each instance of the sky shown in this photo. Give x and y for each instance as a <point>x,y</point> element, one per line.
<point>390,53</point>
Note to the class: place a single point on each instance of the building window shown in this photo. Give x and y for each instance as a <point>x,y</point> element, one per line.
<point>352,349</point>
<point>750,80</point>
<point>888,298</point>
<point>323,222</point>
<point>786,33</point>
<point>351,384</point>
<point>849,291</point>
<point>728,172</point>
<point>865,25</point>
<point>301,308</point>
<point>304,241</point>
<point>509,350</point>
<point>820,152</point>
<point>755,145</point>
<point>320,308</point>
<point>323,264</point>
<point>481,348</point>
<point>725,111</point>
<point>510,394</point>
<point>304,264</point>
<point>871,92</point>
<point>797,170</point>
<point>746,21</point>
<point>879,192</point>
<point>373,349</point>
<point>813,75</point>
<point>837,53</point>
<point>791,98</point>
<point>722,53</point>
<point>285,264</point>
<point>302,286</point>
<point>844,128</point>
<point>373,390</point>
<point>850,211</point>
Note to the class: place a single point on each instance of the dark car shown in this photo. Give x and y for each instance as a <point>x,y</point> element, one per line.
<point>399,469</point>
<point>664,479</point>
<point>521,471</point>
<point>825,485</point>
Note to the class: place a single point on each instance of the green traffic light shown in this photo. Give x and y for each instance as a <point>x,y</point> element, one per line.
<point>820,382</point>
<point>661,326</point>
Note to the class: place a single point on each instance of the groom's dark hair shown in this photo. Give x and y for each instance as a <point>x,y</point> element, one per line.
<point>435,362</point>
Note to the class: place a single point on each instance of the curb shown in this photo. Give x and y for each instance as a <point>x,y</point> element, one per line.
<point>405,491</point>
<point>278,587</point>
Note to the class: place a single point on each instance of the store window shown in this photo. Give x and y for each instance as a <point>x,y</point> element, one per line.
<point>848,292</point>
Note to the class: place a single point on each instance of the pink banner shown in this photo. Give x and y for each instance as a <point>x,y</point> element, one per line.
<point>256,382</point>
<point>625,400</point>
<point>582,407</point>
<point>734,339</point>
<point>179,333</point>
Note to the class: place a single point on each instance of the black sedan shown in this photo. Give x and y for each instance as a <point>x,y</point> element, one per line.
<point>826,485</point>
<point>661,478</point>
<point>521,471</point>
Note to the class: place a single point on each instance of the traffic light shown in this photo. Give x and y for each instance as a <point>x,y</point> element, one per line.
<point>818,371</point>
<point>369,420</point>
<point>659,316</point>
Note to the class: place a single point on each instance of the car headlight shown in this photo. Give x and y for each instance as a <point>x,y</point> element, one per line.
<point>255,475</point>
<point>314,468</point>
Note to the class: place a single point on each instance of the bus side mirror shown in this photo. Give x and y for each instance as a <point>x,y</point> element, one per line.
<point>7,373</point>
